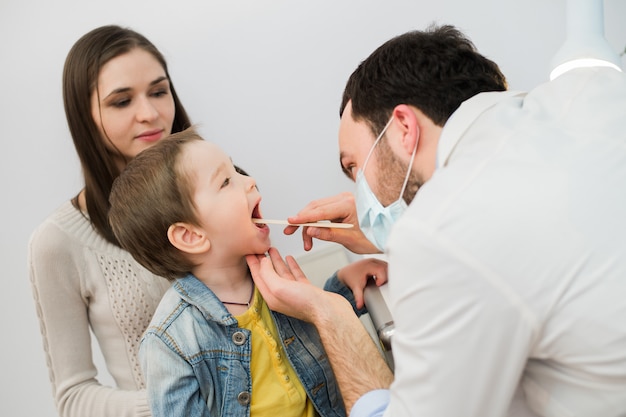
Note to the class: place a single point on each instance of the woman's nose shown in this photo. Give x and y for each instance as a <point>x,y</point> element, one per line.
<point>146,111</point>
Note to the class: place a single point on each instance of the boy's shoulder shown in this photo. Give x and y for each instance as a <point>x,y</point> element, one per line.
<point>170,308</point>
<point>186,301</point>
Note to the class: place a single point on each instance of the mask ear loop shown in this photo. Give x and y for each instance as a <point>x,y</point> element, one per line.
<point>408,174</point>
<point>382,132</point>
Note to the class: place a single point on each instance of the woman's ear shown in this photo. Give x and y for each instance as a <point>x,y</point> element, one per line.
<point>408,124</point>
<point>188,238</point>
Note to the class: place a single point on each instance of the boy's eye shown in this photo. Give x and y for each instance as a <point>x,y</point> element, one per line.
<point>226,182</point>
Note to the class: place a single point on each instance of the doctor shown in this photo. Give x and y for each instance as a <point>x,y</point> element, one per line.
<point>507,271</point>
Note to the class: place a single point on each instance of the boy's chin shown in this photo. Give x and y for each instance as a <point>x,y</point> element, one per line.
<point>262,249</point>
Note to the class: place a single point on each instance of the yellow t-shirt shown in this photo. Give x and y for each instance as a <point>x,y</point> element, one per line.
<point>276,389</point>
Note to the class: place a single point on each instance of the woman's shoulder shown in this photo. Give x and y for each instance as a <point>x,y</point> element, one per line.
<point>65,232</point>
<point>53,248</point>
<point>59,226</point>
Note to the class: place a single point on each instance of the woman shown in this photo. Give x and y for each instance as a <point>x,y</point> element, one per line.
<point>119,100</point>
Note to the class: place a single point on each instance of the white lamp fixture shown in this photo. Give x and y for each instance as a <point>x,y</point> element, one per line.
<point>585,44</point>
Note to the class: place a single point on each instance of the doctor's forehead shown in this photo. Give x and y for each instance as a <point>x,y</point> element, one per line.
<point>353,135</point>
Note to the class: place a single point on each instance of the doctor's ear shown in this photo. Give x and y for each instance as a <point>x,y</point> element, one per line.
<point>407,121</point>
<point>188,238</point>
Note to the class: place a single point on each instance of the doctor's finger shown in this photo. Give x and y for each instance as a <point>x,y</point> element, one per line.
<point>307,240</point>
<point>295,269</point>
<point>326,233</point>
<point>339,208</point>
<point>279,264</point>
<point>253,263</point>
<point>290,230</point>
<point>258,275</point>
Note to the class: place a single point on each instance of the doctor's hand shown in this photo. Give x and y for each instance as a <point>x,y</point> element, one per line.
<point>286,289</point>
<point>356,275</point>
<point>340,208</point>
<point>355,359</point>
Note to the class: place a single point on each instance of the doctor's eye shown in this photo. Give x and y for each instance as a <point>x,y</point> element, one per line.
<point>349,170</point>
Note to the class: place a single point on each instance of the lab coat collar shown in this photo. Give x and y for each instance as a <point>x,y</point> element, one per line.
<point>464,117</point>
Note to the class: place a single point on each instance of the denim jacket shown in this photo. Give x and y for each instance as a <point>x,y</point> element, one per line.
<point>197,360</point>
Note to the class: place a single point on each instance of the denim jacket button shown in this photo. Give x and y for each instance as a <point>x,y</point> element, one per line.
<point>239,338</point>
<point>243,398</point>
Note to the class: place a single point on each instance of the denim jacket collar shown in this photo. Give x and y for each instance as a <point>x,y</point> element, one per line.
<point>196,293</point>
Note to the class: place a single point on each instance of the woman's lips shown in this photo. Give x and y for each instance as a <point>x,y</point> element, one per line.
<point>151,136</point>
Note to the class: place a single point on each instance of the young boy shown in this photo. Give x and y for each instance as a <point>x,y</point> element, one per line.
<point>183,211</point>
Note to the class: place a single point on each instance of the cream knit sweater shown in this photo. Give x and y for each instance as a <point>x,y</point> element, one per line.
<point>80,280</point>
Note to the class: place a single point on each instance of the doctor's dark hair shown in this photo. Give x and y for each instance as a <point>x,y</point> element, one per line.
<point>433,70</point>
<point>80,79</point>
<point>152,193</point>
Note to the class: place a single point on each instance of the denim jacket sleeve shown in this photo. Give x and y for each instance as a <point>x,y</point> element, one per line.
<point>334,285</point>
<point>172,385</point>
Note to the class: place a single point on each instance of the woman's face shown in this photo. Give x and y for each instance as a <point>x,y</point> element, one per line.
<point>133,106</point>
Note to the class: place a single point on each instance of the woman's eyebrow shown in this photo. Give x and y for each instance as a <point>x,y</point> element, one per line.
<point>125,89</point>
<point>158,80</point>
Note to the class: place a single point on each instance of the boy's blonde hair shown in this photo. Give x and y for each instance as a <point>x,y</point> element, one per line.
<point>152,193</point>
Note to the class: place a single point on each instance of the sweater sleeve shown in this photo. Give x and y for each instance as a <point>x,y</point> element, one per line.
<point>55,268</point>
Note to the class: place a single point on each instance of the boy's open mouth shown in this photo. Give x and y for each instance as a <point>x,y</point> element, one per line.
<point>256,214</point>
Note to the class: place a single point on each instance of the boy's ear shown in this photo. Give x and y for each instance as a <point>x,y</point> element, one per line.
<point>188,238</point>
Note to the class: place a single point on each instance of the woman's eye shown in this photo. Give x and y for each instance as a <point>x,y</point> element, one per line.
<point>226,182</point>
<point>121,103</point>
<point>160,93</point>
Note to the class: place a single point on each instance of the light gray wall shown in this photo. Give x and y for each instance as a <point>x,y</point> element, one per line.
<point>263,78</point>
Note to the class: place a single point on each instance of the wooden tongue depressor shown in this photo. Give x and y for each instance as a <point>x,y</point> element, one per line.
<point>314,224</point>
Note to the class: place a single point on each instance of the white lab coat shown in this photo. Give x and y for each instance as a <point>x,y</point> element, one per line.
<point>508,271</point>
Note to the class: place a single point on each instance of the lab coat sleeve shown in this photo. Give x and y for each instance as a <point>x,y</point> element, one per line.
<point>462,336</point>
<point>372,404</point>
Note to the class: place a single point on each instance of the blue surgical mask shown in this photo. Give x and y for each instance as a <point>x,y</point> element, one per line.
<point>375,220</point>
